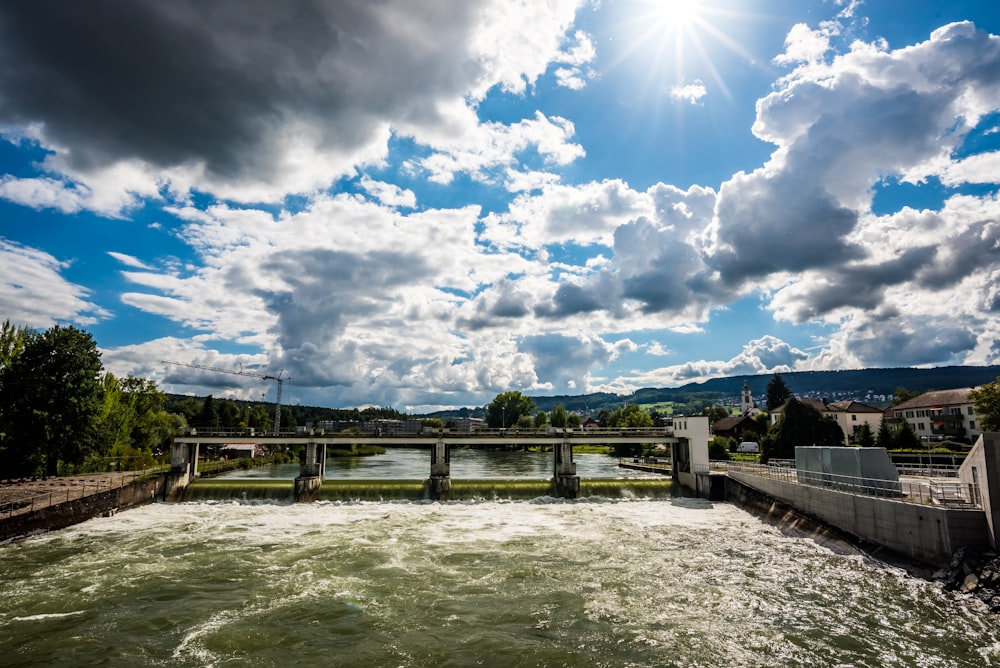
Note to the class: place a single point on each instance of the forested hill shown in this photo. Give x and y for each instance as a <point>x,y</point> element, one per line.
<point>875,386</point>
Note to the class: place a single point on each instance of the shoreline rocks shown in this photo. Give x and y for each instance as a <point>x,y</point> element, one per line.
<point>974,572</point>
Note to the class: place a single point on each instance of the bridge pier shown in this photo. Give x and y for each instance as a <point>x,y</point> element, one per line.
<point>312,471</point>
<point>564,477</point>
<point>183,469</point>
<point>439,484</point>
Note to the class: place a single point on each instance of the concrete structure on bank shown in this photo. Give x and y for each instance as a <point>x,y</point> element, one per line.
<point>872,511</point>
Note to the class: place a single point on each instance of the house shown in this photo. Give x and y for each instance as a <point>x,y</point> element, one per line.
<point>850,415</point>
<point>735,426</point>
<point>941,414</point>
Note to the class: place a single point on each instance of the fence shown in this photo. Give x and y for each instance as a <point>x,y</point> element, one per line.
<point>24,496</point>
<point>950,492</point>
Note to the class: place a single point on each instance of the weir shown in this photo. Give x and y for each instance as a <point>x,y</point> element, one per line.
<point>687,439</point>
<point>492,489</point>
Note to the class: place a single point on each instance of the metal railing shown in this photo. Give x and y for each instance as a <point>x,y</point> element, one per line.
<point>949,492</point>
<point>17,497</point>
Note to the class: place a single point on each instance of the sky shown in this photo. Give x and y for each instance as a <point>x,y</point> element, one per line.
<point>424,204</point>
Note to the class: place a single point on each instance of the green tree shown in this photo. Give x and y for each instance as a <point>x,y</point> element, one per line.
<point>208,418</point>
<point>884,437</point>
<point>905,438</point>
<point>507,408</point>
<point>986,398</point>
<point>777,392</point>
<point>52,394</point>
<point>800,425</point>
<point>715,413</point>
<point>631,415</point>
<point>863,436</point>
<point>12,341</point>
<point>559,416</point>
<point>902,394</point>
<point>541,420</point>
<point>573,421</point>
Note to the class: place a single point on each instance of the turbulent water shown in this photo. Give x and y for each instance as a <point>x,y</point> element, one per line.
<point>590,582</point>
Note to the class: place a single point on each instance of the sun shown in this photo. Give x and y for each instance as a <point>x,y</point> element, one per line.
<point>679,15</point>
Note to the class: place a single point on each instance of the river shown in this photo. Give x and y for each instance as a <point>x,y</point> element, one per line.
<point>547,582</point>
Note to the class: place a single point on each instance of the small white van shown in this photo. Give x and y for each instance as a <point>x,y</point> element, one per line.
<point>748,446</point>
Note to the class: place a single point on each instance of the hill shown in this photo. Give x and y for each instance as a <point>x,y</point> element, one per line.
<point>871,386</point>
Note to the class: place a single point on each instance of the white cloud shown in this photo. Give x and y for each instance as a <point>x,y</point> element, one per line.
<point>693,93</point>
<point>33,291</point>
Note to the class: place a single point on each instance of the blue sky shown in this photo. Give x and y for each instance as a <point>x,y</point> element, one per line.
<point>422,205</point>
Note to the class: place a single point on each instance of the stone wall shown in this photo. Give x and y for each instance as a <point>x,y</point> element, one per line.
<point>79,510</point>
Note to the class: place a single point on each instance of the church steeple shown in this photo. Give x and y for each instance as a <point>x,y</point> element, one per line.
<point>746,400</point>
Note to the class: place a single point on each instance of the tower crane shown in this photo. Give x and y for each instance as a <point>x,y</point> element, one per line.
<point>240,372</point>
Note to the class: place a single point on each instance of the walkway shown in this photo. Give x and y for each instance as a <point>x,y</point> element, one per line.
<point>26,495</point>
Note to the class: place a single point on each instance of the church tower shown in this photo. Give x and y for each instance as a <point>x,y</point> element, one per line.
<point>746,400</point>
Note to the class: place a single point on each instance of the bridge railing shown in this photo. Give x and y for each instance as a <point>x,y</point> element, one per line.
<point>510,432</point>
<point>949,492</point>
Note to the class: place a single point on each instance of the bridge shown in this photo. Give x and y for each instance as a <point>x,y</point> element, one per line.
<point>678,437</point>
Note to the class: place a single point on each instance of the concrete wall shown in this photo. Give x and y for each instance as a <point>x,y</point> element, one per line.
<point>982,469</point>
<point>924,533</point>
<point>79,510</point>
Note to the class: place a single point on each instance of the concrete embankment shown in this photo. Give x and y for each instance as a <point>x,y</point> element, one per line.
<point>925,534</point>
<point>73,511</point>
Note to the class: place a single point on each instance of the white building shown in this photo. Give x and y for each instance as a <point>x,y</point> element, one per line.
<point>850,415</point>
<point>941,414</point>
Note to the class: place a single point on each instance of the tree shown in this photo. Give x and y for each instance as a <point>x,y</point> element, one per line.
<point>905,438</point>
<point>777,392</point>
<point>884,437</point>
<point>507,408</point>
<point>986,398</point>
<point>714,413</point>
<point>800,425</point>
<point>631,415</point>
<point>53,395</point>
<point>863,435</point>
<point>558,416</point>
<point>541,420</point>
<point>12,341</point>
<point>902,394</point>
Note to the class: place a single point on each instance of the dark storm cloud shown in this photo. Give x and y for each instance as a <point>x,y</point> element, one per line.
<point>570,299</point>
<point>185,81</point>
<point>317,293</point>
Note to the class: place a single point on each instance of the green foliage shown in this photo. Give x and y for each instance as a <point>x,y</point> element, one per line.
<point>863,436</point>
<point>559,416</point>
<point>777,392</point>
<point>52,396</point>
<point>987,405</point>
<point>718,449</point>
<point>541,420</point>
<point>12,341</point>
<point>902,394</point>
<point>433,423</point>
<point>573,421</point>
<point>884,437</point>
<point>715,413</point>
<point>507,408</point>
<point>800,425</point>
<point>905,438</point>
<point>630,415</point>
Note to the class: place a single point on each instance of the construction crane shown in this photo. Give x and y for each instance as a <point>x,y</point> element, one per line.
<point>240,372</point>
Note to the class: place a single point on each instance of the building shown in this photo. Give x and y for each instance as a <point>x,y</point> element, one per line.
<point>941,415</point>
<point>747,405</point>
<point>735,426</point>
<point>850,415</point>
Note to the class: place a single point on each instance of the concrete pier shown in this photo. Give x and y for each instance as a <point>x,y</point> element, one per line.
<point>183,469</point>
<point>312,471</point>
<point>564,478</point>
<point>439,484</point>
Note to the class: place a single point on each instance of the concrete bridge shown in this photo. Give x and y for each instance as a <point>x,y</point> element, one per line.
<point>686,440</point>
